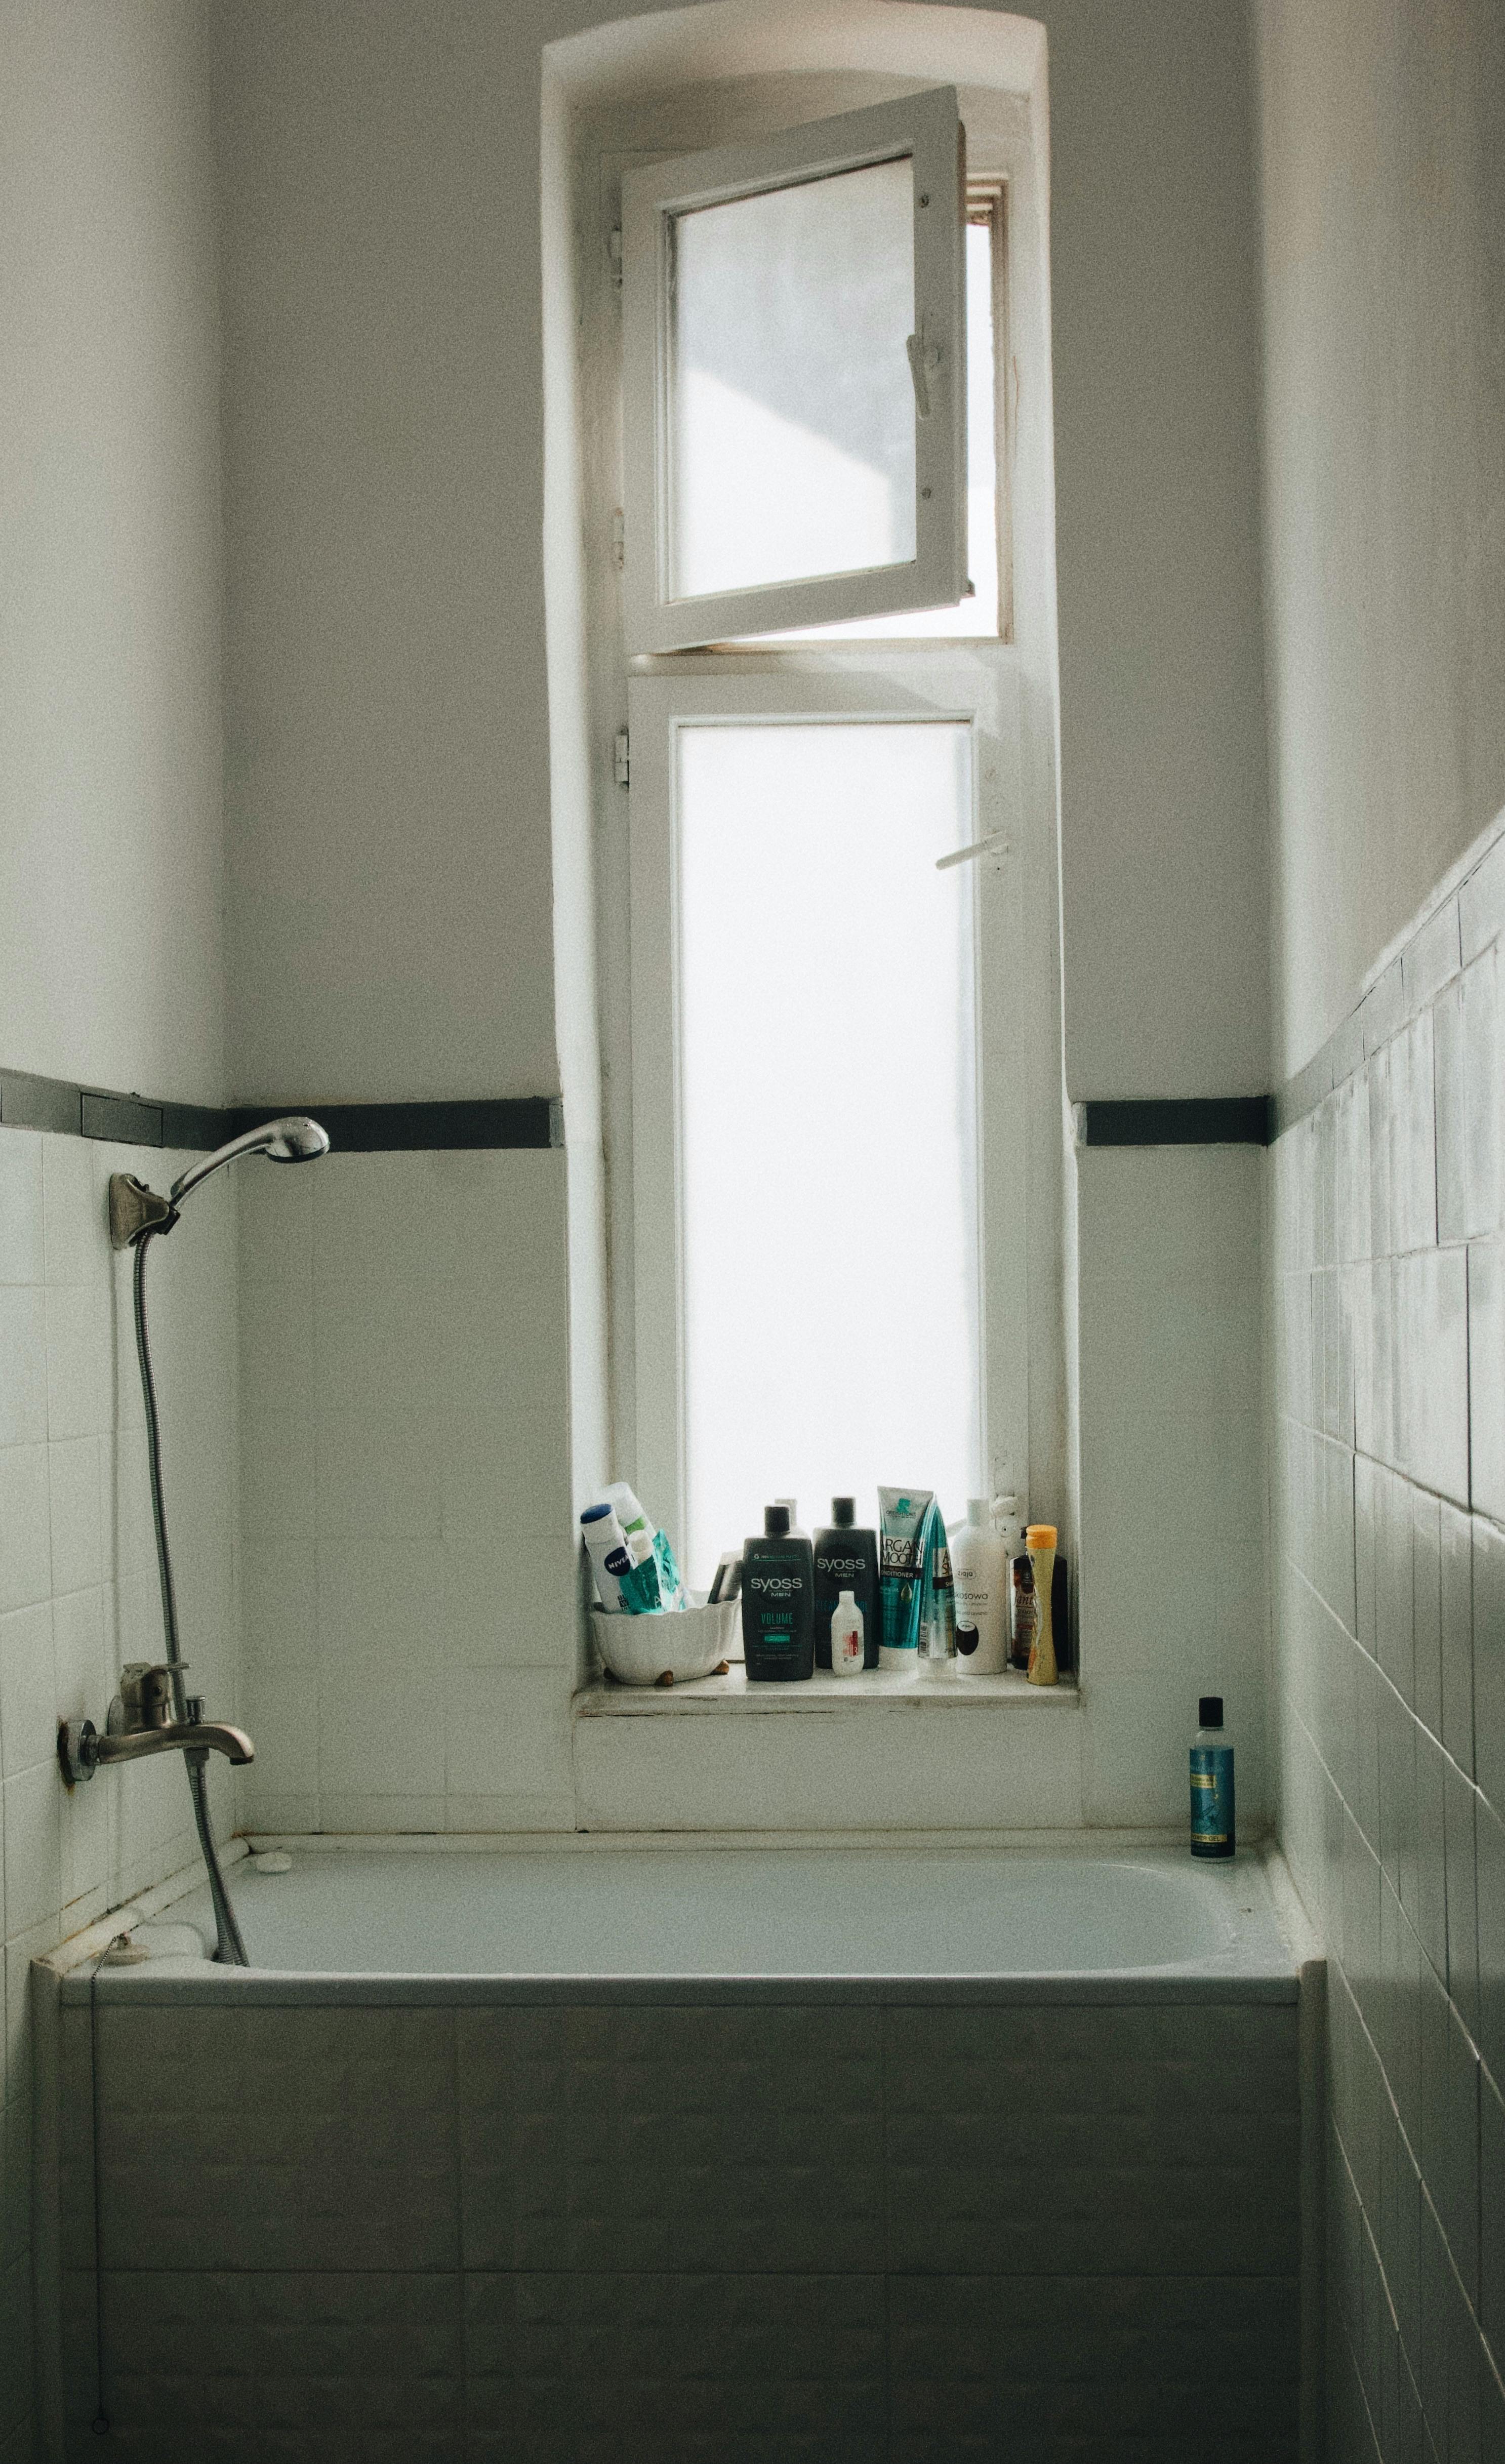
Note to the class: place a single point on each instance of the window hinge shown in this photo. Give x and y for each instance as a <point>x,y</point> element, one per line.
<point>623,761</point>
<point>619,539</point>
<point>614,253</point>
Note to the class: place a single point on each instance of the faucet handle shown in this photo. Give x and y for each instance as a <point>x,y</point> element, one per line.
<point>145,1700</point>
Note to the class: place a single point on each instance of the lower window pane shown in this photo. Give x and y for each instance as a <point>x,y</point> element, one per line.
<point>828,1120</point>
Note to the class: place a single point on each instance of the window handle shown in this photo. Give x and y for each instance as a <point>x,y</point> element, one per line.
<point>925,363</point>
<point>999,839</point>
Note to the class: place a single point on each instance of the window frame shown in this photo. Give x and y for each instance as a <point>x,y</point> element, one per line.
<point>926,128</point>
<point>943,683</point>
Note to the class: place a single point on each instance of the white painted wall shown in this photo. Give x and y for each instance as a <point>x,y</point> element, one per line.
<point>110,822</point>
<point>1382,169</point>
<point>390,759</point>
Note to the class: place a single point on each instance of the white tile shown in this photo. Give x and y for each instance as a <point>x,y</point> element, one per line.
<point>508,1605</point>
<point>276,1226</point>
<point>1484,1097</point>
<point>84,1678</point>
<point>501,1469</point>
<point>383,1734</point>
<point>32,1847</point>
<point>79,1361</point>
<point>376,1472</point>
<point>23,1367</point>
<point>278,1601</point>
<point>508,1730</point>
<point>21,1260</point>
<point>276,1348</point>
<point>379,1608</point>
<point>77,1239</point>
<point>73,1481</point>
<point>367,1810</point>
<point>83,1853</point>
<point>277,1477</point>
<point>28,1687</point>
<point>26,1572</point>
<point>279,1707</point>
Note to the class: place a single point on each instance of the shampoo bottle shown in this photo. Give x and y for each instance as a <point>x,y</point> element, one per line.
<point>981,1571</point>
<point>1212,1832</point>
<point>846,1560</point>
<point>777,1603</point>
<point>1042,1539</point>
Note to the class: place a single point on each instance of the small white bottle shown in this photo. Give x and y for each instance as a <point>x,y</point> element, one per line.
<point>795,1531</point>
<point>979,1570</point>
<point>848,1641</point>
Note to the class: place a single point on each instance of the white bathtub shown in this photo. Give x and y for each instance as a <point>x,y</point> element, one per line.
<point>605,2154</point>
<point>831,1916</point>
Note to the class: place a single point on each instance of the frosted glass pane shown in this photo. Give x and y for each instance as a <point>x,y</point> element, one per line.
<point>828,1120</point>
<point>977,615</point>
<point>792,418</point>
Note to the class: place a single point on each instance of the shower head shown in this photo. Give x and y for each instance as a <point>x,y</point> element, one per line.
<point>293,1139</point>
<point>135,1210</point>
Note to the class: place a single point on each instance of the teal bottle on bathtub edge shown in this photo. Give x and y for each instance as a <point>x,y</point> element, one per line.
<point>1213,1823</point>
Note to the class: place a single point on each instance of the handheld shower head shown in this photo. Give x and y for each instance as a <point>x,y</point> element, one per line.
<point>135,1210</point>
<point>293,1139</point>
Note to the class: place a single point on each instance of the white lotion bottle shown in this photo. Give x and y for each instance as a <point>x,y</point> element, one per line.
<point>848,1638</point>
<point>980,1573</point>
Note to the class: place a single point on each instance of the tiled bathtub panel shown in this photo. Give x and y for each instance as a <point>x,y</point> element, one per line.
<point>700,2139</point>
<point>675,2370</point>
<point>276,2368</point>
<point>277,2138</point>
<point>1160,2142</point>
<point>1043,2369</point>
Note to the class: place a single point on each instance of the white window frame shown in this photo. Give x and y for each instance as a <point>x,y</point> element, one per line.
<point>943,683</point>
<point>926,129</point>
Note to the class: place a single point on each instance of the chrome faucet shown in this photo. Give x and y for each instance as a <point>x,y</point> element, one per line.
<point>141,1721</point>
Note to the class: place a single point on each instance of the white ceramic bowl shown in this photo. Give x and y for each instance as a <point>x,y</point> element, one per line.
<point>681,1642</point>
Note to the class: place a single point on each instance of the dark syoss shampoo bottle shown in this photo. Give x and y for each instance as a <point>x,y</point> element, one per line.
<point>778,1603</point>
<point>846,1560</point>
<point>1212,1832</point>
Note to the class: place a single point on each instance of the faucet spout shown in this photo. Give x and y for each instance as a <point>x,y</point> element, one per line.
<point>81,1750</point>
<point>179,1736</point>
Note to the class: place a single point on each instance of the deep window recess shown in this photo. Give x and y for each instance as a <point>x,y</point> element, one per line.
<point>815,991</point>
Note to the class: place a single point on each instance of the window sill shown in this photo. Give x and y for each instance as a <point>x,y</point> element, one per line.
<point>876,1690</point>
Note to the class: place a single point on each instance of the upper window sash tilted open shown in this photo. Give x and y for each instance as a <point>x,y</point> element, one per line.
<point>795,381</point>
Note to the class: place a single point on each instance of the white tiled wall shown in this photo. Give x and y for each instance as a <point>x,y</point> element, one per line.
<point>77,1576</point>
<point>1389,1339</point>
<point>409,1627</point>
<point>1172,1582</point>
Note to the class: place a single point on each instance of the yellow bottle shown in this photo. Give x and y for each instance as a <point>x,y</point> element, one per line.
<point>1041,1541</point>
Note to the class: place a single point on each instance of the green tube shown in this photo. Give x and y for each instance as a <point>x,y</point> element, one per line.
<point>903,1514</point>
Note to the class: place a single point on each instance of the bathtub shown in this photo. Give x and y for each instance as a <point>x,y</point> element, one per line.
<point>604,2154</point>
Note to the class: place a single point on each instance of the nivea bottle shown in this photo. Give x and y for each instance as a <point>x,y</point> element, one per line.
<point>1212,1783</point>
<point>846,1560</point>
<point>778,1637</point>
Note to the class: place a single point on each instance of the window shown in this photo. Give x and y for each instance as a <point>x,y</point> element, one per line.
<point>818,1002</point>
<point>795,376</point>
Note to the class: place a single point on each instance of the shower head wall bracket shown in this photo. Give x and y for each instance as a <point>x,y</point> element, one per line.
<point>136,1210</point>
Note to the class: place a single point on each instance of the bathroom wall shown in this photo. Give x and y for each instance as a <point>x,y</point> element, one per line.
<point>1383,206</point>
<point>1389,1627</point>
<point>387,718</point>
<point>111,951</point>
<point>79,1579</point>
<point>1384,235</point>
<point>110,888</point>
<point>408,1552</point>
